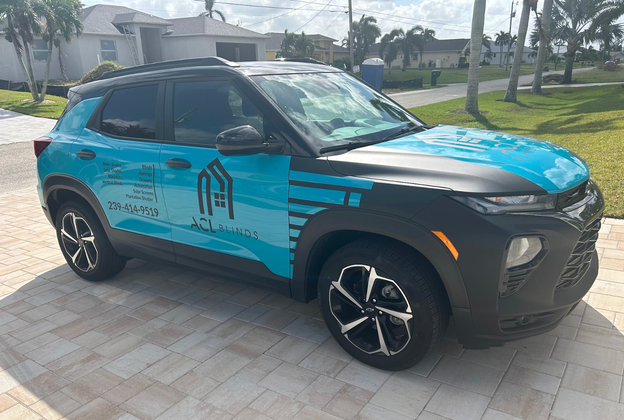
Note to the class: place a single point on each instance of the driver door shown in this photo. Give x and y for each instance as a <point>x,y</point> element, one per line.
<point>232,211</point>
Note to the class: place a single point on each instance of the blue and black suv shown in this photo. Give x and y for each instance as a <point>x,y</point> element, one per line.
<point>300,178</point>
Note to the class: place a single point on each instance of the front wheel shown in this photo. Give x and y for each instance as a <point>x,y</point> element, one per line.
<point>385,307</point>
<point>84,243</point>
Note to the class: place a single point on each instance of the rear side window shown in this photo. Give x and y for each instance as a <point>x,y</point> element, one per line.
<point>131,112</point>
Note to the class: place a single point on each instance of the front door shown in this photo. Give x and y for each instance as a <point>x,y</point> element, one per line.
<point>224,211</point>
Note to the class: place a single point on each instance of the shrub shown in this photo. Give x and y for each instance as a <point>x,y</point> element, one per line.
<point>99,70</point>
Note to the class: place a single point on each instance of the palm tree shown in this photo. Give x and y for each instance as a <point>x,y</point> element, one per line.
<point>607,34</point>
<point>211,11</point>
<point>476,40</point>
<point>487,43</point>
<point>425,35</point>
<point>62,18</point>
<point>23,24</point>
<point>512,89</point>
<point>388,49</point>
<point>365,34</point>
<point>501,39</point>
<point>513,40</point>
<point>296,46</point>
<point>577,18</point>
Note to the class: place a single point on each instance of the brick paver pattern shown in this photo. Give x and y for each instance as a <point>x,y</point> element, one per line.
<point>157,342</point>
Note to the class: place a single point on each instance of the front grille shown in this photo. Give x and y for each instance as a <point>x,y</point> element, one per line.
<point>580,260</point>
<point>567,198</point>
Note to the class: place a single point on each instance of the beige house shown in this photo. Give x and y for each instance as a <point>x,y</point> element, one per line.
<point>324,48</point>
<point>448,52</point>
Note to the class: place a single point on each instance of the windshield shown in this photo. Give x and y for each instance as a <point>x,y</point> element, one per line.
<point>335,108</point>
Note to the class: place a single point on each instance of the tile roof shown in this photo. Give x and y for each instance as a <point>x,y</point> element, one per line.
<point>275,42</point>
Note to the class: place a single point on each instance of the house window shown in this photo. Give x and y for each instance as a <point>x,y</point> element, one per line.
<point>109,52</point>
<point>40,50</point>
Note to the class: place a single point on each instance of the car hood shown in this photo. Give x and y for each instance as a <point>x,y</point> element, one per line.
<point>468,160</point>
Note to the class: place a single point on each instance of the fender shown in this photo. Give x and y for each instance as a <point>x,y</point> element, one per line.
<point>401,230</point>
<point>125,243</point>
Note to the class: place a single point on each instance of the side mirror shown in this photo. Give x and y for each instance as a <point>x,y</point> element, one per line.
<point>244,140</point>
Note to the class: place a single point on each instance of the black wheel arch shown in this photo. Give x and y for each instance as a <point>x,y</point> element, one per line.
<point>327,231</point>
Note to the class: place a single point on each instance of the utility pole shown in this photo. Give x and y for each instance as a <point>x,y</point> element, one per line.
<point>351,36</point>
<point>511,16</point>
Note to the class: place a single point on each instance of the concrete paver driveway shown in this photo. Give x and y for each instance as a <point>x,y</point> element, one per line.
<point>159,342</point>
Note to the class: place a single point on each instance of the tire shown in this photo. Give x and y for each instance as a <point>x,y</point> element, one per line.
<point>90,253</point>
<point>406,301</point>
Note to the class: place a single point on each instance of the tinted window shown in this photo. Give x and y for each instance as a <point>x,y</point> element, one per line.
<point>131,112</point>
<point>202,110</point>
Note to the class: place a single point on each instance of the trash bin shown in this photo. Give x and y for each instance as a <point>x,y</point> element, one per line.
<point>372,72</point>
<point>434,77</point>
<point>546,69</point>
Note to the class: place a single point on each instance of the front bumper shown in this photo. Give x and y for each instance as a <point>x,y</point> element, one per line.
<point>546,296</point>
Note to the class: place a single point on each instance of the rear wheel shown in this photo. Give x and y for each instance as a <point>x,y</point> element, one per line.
<point>385,307</point>
<point>84,243</point>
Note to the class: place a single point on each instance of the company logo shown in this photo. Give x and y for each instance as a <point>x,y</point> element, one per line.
<point>214,173</point>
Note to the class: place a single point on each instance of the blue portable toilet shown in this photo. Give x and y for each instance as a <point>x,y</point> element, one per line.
<point>372,72</point>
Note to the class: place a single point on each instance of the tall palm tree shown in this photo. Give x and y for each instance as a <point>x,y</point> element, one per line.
<point>513,40</point>
<point>577,18</point>
<point>211,11</point>
<point>23,24</point>
<point>501,39</point>
<point>365,34</point>
<point>512,89</point>
<point>304,46</point>
<point>388,48</point>
<point>476,40</point>
<point>607,34</point>
<point>62,17</point>
<point>424,35</point>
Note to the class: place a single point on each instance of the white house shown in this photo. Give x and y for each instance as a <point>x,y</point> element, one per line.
<point>527,55</point>
<point>447,51</point>
<point>129,37</point>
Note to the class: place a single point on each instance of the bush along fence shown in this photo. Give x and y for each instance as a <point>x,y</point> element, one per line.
<point>23,87</point>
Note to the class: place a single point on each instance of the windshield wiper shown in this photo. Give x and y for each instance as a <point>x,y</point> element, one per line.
<point>405,130</point>
<point>357,144</point>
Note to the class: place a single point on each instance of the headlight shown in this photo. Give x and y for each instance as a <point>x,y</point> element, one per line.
<point>515,203</point>
<point>523,251</point>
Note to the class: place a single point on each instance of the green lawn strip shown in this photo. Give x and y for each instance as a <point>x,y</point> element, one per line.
<point>598,76</point>
<point>586,120</point>
<point>14,101</point>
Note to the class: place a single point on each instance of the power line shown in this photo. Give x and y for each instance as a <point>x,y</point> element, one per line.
<point>313,17</point>
<point>275,17</point>
<point>332,22</point>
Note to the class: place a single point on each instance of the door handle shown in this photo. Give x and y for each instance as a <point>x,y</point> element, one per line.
<point>86,154</point>
<point>178,163</point>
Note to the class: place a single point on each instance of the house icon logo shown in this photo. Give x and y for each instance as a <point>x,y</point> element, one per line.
<point>214,189</point>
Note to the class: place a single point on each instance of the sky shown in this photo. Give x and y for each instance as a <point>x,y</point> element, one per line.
<point>450,18</point>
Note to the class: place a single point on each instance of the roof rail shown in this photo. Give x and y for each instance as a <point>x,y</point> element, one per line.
<point>302,60</point>
<point>173,64</point>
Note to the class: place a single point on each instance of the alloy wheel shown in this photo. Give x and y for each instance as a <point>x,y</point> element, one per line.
<point>79,242</point>
<point>372,310</point>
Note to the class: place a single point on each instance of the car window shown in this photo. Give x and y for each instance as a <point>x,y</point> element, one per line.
<point>203,109</point>
<point>131,112</point>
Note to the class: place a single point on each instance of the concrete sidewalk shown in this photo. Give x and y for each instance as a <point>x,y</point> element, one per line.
<point>158,342</point>
<point>18,128</point>
<point>458,90</point>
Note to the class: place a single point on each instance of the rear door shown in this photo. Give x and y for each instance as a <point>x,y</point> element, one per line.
<point>117,156</point>
<point>224,211</point>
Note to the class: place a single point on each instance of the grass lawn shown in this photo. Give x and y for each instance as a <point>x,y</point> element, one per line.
<point>586,120</point>
<point>598,76</point>
<point>14,101</point>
